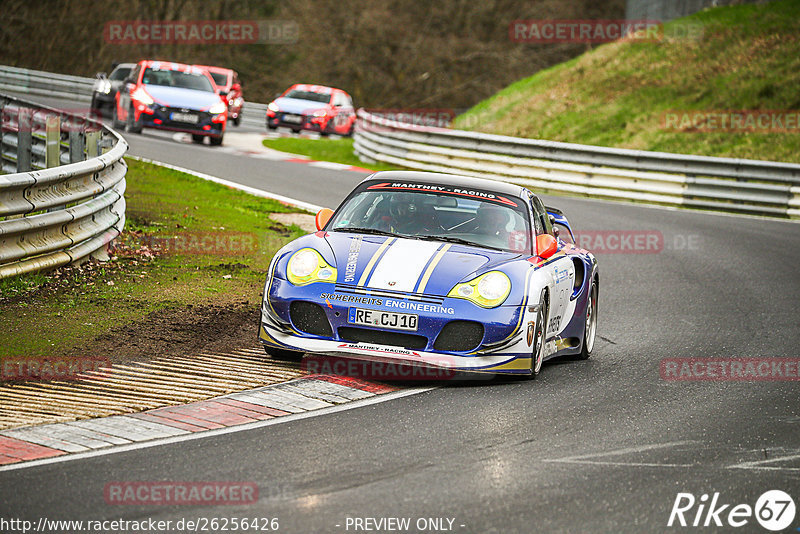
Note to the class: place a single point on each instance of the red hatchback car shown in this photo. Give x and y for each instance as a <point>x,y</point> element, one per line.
<point>313,107</point>
<point>229,87</point>
<point>171,96</point>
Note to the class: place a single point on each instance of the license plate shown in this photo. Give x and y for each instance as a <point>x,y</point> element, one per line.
<point>297,119</point>
<point>382,319</point>
<point>185,117</point>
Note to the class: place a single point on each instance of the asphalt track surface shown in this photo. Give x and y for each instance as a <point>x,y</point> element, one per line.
<point>603,445</point>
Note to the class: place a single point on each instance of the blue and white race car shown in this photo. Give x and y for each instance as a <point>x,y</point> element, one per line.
<point>434,270</point>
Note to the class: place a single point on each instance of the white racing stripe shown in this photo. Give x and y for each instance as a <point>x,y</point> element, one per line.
<point>402,265</point>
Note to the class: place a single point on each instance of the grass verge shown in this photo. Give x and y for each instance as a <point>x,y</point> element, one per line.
<point>334,150</point>
<point>746,58</point>
<point>188,245</point>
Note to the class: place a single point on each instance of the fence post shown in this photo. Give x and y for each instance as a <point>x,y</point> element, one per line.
<point>76,145</point>
<point>24,137</point>
<point>52,153</point>
<point>92,144</point>
<point>3,125</point>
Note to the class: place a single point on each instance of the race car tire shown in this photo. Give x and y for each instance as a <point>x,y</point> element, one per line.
<point>115,122</point>
<point>350,131</point>
<point>296,131</point>
<point>283,354</point>
<point>237,121</point>
<point>197,139</point>
<point>272,126</point>
<point>215,141</point>
<point>131,125</point>
<point>539,340</point>
<point>590,323</point>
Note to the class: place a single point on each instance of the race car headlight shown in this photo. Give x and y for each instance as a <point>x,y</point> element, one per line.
<point>488,290</point>
<point>141,96</point>
<point>219,107</point>
<point>103,86</point>
<point>307,266</point>
<point>273,107</point>
<point>320,113</point>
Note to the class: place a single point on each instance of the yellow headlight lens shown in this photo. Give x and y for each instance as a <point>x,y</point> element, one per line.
<point>488,290</point>
<point>307,266</point>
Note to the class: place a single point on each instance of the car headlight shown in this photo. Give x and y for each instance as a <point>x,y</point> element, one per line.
<point>103,86</point>
<point>488,290</point>
<point>272,106</point>
<point>320,113</point>
<point>140,95</point>
<point>307,266</point>
<point>219,107</point>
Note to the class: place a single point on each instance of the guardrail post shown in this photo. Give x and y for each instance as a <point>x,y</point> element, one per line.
<point>24,139</point>
<point>2,127</point>
<point>92,144</point>
<point>52,154</point>
<point>76,145</point>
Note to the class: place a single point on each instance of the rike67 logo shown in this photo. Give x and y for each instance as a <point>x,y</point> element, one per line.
<point>774,510</point>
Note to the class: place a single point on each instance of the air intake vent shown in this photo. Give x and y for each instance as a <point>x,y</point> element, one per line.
<point>459,336</point>
<point>309,317</point>
<point>381,337</point>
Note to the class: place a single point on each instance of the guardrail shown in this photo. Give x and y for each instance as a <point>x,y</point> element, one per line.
<point>731,185</point>
<point>64,199</point>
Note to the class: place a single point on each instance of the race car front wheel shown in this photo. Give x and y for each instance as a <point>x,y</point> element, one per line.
<point>539,339</point>
<point>590,323</point>
<point>283,354</point>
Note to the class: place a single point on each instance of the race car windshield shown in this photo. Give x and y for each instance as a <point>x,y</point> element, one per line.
<point>323,98</point>
<point>456,216</point>
<point>176,78</point>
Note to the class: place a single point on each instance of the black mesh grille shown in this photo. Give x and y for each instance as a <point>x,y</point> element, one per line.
<point>381,337</point>
<point>311,318</point>
<point>459,336</point>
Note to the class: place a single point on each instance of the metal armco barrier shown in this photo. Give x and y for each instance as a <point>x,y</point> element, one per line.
<point>63,200</point>
<point>731,185</point>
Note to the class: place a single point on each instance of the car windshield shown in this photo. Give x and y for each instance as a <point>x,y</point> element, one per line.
<point>176,78</point>
<point>220,78</point>
<point>449,213</point>
<point>120,73</point>
<point>309,95</point>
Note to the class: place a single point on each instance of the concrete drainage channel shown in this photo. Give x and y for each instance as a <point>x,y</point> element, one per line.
<point>49,420</point>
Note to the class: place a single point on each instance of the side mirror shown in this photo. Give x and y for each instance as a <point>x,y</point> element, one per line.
<point>223,93</point>
<point>546,246</point>
<point>236,87</point>
<point>101,75</point>
<point>323,216</point>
